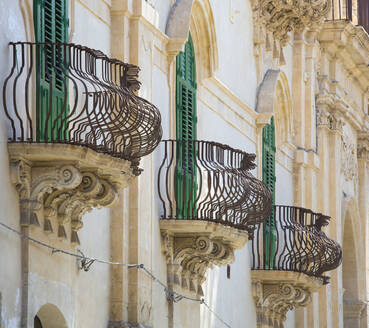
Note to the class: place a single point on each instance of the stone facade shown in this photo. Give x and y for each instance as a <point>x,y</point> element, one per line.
<point>252,63</point>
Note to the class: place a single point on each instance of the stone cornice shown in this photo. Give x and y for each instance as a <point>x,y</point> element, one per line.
<point>350,44</point>
<point>277,292</point>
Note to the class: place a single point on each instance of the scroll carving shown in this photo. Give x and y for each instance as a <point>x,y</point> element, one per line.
<point>61,194</point>
<point>189,257</point>
<point>274,300</point>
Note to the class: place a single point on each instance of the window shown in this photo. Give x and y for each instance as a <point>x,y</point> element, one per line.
<point>51,27</point>
<point>268,168</point>
<point>186,130</point>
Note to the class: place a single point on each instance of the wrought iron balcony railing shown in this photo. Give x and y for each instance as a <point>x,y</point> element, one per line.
<point>209,181</point>
<point>292,240</point>
<point>356,11</point>
<point>71,94</point>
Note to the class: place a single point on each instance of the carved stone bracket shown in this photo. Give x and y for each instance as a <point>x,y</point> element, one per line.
<point>58,184</point>
<point>281,17</point>
<point>191,247</point>
<point>277,292</point>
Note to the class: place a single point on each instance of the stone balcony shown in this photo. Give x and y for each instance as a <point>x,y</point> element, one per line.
<point>290,254</point>
<point>210,206</point>
<point>76,132</point>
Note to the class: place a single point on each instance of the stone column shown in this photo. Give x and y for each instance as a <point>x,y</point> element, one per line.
<point>363,187</point>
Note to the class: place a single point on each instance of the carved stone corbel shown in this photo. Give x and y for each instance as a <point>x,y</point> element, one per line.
<point>191,247</point>
<point>277,292</point>
<point>58,184</point>
<point>280,17</point>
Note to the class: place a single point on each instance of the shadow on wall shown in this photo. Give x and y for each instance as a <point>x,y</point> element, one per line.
<point>49,316</point>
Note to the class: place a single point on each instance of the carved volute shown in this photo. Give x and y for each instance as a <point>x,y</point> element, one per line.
<point>277,292</point>
<point>58,184</point>
<point>193,247</point>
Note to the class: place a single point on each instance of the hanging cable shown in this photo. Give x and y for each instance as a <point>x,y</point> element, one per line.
<point>86,262</point>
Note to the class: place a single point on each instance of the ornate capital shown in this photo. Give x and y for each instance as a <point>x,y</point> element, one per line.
<point>191,247</point>
<point>363,147</point>
<point>330,120</point>
<point>58,184</point>
<point>353,308</point>
<point>281,17</point>
<point>348,159</point>
<point>277,292</point>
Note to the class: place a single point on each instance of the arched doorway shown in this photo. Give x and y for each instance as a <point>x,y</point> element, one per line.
<point>352,305</point>
<point>49,316</point>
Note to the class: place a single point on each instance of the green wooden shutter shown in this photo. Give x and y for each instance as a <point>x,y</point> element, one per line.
<point>186,120</point>
<point>51,25</point>
<point>268,168</point>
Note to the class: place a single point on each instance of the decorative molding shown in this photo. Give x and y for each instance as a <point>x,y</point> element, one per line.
<point>277,292</point>
<point>57,184</point>
<point>353,308</point>
<point>363,147</point>
<point>349,166</point>
<point>280,17</point>
<point>330,120</point>
<point>273,301</point>
<point>191,247</point>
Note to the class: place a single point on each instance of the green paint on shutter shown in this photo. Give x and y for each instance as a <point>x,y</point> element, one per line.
<point>51,25</point>
<point>186,119</point>
<point>268,168</point>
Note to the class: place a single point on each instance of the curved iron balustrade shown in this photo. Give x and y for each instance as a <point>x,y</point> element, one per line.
<point>292,240</point>
<point>68,93</point>
<point>201,180</point>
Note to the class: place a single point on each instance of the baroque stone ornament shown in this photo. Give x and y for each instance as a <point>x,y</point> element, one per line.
<point>58,184</point>
<point>191,247</point>
<point>283,16</point>
<point>348,159</point>
<point>277,292</point>
<point>330,120</point>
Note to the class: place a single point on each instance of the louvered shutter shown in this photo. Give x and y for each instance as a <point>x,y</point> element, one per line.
<point>186,120</point>
<point>269,178</point>
<point>51,25</point>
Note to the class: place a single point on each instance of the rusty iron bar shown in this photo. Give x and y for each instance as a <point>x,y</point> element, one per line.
<point>209,181</point>
<point>292,240</point>
<point>71,94</point>
<point>344,10</point>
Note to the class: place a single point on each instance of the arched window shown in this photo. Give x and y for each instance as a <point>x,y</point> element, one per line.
<point>186,120</point>
<point>268,169</point>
